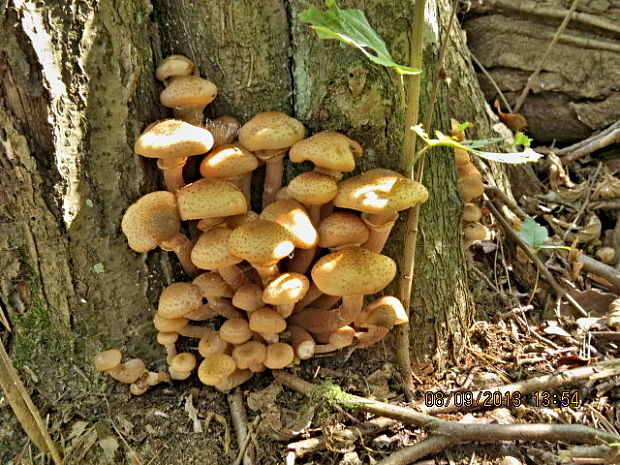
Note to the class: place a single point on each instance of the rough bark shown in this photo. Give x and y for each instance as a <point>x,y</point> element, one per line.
<point>77,88</point>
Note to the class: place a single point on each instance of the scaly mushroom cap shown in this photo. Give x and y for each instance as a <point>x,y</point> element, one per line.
<point>215,368</point>
<point>312,188</point>
<point>212,284</point>
<point>208,198</point>
<point>279,355</point>
<point>461,157</point>
<point>286,288</point>
<point>186,91</point>
<point>471,212</point>
<point>175,65</point>
<point>471,187</point>
<point>271,130</point>
<point>474,232</point>
<point>468,169</point>
<point>183,362</point>
<point>328,150</point>
<point>293,216</point>
<point>228,161</point>
<point>173,138</point>
<point>235,331</point>
<point>379,191</point>
<point>212,343</point>
<point>179,299</point>
<point>353,271</point>
<point>266,320</point>
<point>224,129</point>
<point>249,297</point>
<point>249,353</point>
<point>342,228</point>
<point>107,359</point>
<point>211,250</point>
<point>153,219</point>
<point>261,242</point>
<point>168,325</point>
<point>386,312</point>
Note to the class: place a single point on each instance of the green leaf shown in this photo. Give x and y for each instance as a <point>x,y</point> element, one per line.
<point>533,234</point>
<point>351,27</point>
<point>463,126</point>
<point>522,139</point>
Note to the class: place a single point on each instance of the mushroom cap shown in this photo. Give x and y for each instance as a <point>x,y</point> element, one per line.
<point>237,378</point>
<point>211,250</point>
<point>312,188</point>
<point>386,312</point>
<point>107,359</point>
<point>353,271</point>
<point>173,138</point>
<point>471,212</point>
<point>235,331</point>
<point>183,362</point>
<point>342,337</point>
<point>212,284</point>
<point>342,228</point>
<point>379,191</point>
<point>286,288</point>
<point>168,325</point>
<point>461,157</point>
<point>235,221</point>
<point>474,232</point>
<point>468,169</point>
<point>184,91</point>
<point>261,242</point>
<point>228,161</point>
<point>271,130</point>
<point>211,343</point>
<point>167,338</point>
<point>471,187</point>
<point>249,297</point>
<point>224,129</point>
<point>329,150</point>
<point>208,198</point>
<point>174,65</point>
<point>293,216</point>
<point>215,368</point>
<point>249,353</point>
<point>279,355</point>
<point>267,320</point>
<point>179,299</point>
<point>151,220</point>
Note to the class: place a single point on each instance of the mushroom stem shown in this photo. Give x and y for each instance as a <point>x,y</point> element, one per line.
<point>312,294</point>
<point>274,173</point>
<point>370,337</point>
<point>338,339</point>
<point>173,173</point>
<point>191,114</point>
<point>267,273</point>
<point>322,321</point>
<point>245,185</point>
<point>182,246</point>
<point>224,308</point>
<point>202,313</point>
<point>380,226</point>
<point>314,212</point>
<point>196,332</point>
<point>325,302</point>
<point>302,259</point>
<point>303,342</point>
<point>129,371</point>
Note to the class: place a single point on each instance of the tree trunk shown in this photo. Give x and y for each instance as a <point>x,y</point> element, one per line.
<point>77,87</point>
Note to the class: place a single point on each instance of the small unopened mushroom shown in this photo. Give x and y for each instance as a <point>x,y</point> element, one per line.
<point>471,187</point>
<point>110,362</point>
<point>168,340</point>
<point>153,221</point>
<point>285,291</point>
<point>188,96</point>
<point>215,368</point>
<point>217,292</point>
<point>182,365</point>
<point>148,380</point>
<point>174,66</point>
<point>235,331</point>
<point>233,163</point>
<point>249,297</point>
<point>268,323</point>
<point>269,135</point>
<point>279,355</point>
<point>249,354</point>
<point>471,212</point>
<point>172,141</point>
<point>224,129</point>
<point>606,254</point>
<point>473,232</point>
<point>337,339</point>
<point>211,253</point>
<point>380,194</point>
<point>236,378</point>
<point>212,343</point>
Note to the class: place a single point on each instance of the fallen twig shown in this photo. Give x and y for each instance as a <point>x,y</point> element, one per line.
<point>240,423</point>
<point>600,269</point>
<point>590,454</point>
<point>545,273</point>
<point>455,431</point>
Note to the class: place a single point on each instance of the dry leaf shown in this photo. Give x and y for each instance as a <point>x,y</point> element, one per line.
<point>515,121</point>
<point>595,302</point>
<point>554,329</point>
<point>557,175</point>
<point>613,317</point>
<point>575,193</point>
<point>589,232</point>
<point>608,188</point>
<point>109,446</point>
<point>192,412</point>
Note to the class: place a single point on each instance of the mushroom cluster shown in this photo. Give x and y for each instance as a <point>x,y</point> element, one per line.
<point>274,287</point>
<point>471,188</point>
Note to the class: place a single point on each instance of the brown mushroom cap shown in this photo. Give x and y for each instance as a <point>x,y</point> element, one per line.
<point>474,232</point>
<point>108,359</point>
<point>179,299</point>
<point>167,338</point>
<point>208,198</point>
<point>249,297</point>
<point>386,312</point>
<point>212,284</point>
<point>329,150</point>
<point>211,343</point>
<point>461,157</point>
<point>353,271</point>
<point>224,129</point>
<point>183,362</point>
<point>186,91</point>
<point>228,161</point>
<point>235,331</point>
<point>266,320</point>
<point>249,353</point>
<point>271,130</point>
<point>211,250</point>
<point>468,169</point>
<point>471,212</point>
<point>295,219</point>
<point>286,288</point>
<point>151,220</point>
<point>379,191</point>
<point>168,325</point>
<point>261,242</point>
<point>215,368</point>
<point>279,355</point>
<point>172,138</point>
<point>175,65</point>
<point>471,187</point>
<point>342,228</point>
<point>312,188</point>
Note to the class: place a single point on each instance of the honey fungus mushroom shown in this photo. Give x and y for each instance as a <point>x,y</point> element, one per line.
<point>188,96</point>
<point>172,141</point>
<point>110,362</point>
<point>233,163</point>
<point>153,221</point>
<point>378,318</point>
<point>350,273</point>
<point>174,66</point>
<point>269,135</point>
<point>380,194</point>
